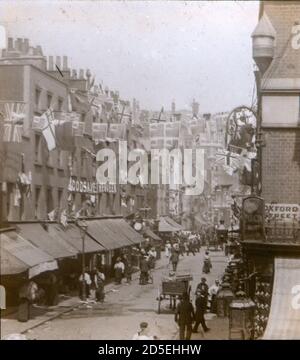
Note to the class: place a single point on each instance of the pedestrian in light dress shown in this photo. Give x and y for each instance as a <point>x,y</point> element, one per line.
<point>119,271</point>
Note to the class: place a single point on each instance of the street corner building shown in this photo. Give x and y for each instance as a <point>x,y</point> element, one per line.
<point>106,258</point>
<point>274,256</point>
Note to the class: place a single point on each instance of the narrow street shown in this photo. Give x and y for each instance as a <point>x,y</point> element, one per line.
<point>127,305</point>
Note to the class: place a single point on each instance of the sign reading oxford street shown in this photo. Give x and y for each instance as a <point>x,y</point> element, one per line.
<point>283,212</point>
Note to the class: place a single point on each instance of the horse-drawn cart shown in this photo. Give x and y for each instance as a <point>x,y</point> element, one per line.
<point>173,287</point>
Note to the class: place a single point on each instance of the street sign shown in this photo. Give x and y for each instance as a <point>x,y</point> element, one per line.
<point>283,212</point>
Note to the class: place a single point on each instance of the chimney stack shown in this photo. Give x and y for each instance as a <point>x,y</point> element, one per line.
<point>51,63</point>
<point>65,63</point>
<point>74,74</point>
<point>81,74</point>
<point>58,62</point>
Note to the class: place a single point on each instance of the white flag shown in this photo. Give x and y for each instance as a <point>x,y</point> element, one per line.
<point>48,134</point>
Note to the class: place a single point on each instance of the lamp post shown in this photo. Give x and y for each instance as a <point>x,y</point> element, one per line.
<point>83,229</point>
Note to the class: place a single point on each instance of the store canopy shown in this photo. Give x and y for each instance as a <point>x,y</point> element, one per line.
<point>10,264</point>
<point>45,240</point>
<point>166,224</point>
<point>152,235</point>
<point>113,233</point>
<point>19,255</point>
<point>71,234</point>
<point>284,318</point>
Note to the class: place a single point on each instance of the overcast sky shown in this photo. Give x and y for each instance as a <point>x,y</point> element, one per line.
<point>154,51</point>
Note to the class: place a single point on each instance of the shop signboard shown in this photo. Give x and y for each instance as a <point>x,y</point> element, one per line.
<point>90,187</point>
<point>253,218</point>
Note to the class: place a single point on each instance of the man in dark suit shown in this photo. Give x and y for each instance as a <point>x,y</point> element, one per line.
<point>185,316</point>
<point>201,304</point>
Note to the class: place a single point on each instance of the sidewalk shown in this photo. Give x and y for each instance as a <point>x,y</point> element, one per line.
<point>41,314</point>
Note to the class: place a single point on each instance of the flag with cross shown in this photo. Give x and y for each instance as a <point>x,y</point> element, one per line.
<point>13,115</point>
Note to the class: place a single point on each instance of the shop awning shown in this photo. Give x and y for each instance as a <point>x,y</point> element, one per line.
<point>113,233</point>
<point>152,235</point>
<point>10,264</point>
<point>71,234</point>
<point>284,318</point>
<point>19,255</point>
<point>174,223</point>
<point>41,237</point>
<point>166,224</point>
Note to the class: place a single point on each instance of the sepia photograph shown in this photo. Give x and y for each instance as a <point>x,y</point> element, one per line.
<point>149,172</point>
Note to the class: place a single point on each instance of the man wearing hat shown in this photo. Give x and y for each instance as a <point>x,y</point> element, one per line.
<point>200,304</point>
<point>202,286</point>
<point>185,317</point>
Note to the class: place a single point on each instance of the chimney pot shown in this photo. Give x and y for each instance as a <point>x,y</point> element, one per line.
<point>58,62</point>
<point>18,43</point>
<point>81,74</point>
<point>39,50</point>
<point>88,73</point>
<point>23,48</point>
<point>51,63</point>
<point>65,63</point>
<point>26,46</point>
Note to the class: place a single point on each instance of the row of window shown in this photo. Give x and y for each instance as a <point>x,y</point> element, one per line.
<point>60,159</point>
<point>49,100</point>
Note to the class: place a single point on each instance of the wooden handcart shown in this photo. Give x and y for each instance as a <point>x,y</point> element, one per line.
<point>173,288</point>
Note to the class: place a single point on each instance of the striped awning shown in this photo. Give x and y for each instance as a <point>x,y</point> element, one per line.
<point>18,255</point>
<point>113,233</point>
<point>152,235</point>
<point>284,318</point>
